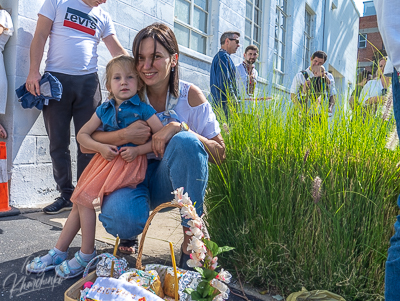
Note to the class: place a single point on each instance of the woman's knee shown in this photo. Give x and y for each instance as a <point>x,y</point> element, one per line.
<point>187,145</point>
<point>124,213</point>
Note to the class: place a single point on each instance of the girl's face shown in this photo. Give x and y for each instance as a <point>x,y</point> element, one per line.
<point>157,74</point>
<point>123,83</point>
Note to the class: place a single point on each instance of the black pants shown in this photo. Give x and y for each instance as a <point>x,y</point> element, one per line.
<point>80,98</point>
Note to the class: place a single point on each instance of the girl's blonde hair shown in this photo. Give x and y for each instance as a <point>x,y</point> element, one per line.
<point>127,62</point>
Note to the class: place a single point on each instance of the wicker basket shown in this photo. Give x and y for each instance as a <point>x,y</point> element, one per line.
<point>73,293</point>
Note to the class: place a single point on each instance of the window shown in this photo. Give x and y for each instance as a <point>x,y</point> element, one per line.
<point>252,33</point>
<point>307,40</point>
<point>280,40</point>
<point>191,24</point>
<point>362,40</point>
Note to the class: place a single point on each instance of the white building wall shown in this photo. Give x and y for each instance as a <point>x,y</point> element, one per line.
<point>29,163</point>
<point>341,44</point>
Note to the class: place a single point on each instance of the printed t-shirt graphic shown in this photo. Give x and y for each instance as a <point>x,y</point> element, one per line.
<point>80,21</point>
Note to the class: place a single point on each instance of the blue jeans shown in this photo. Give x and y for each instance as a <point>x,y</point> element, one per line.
<point>185,164</point>
<point>392,272</point>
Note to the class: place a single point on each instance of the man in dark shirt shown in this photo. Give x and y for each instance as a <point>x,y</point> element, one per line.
<point>223,70</point>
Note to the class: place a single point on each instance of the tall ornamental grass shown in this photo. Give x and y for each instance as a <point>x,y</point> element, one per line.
<point>305,201</point>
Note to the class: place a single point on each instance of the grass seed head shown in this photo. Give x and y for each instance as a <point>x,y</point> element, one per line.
<point>316,189</point>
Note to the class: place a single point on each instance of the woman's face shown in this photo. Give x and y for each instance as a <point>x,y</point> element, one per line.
<point>159,73</point>
<point>382,64</point>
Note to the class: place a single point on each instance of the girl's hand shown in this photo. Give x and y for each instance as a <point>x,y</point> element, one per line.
<point>162,137</point>
<point>129,153</point>
<point>109,152</point>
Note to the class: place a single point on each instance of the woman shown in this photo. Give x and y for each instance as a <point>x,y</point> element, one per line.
<point>191,132</point>
<point>6,30</point>
<point>373,90</point>
<point>362,78</point>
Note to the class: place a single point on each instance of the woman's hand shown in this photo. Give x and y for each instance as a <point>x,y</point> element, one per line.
<point>108,152</point>
<point>129,153</point>
<point>137,133</point>
<point>162,137</point>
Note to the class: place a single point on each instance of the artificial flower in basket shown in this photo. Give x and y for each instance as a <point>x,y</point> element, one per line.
<point>204,255</point>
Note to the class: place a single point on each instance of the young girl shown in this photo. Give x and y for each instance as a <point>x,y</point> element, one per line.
<point>110,169</point>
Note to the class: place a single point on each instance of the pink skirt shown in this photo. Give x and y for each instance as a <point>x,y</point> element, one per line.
<point>101,177</point>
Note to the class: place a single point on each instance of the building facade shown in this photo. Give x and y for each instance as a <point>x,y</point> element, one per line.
<point>286,32</point>
<point>370,44</point>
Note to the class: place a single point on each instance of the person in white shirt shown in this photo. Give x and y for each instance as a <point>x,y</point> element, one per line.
<point>246,73</point>
<point>297,92</point>
<point>74,29</point>
<point>372,92</point>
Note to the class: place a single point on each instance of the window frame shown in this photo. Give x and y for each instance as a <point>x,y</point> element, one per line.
<point>365,37</point>
<point>193,29</point>
<point>282,56</point>
<point>307,38</point>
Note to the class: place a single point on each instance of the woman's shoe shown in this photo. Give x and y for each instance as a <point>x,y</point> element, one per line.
<point>37,266</point>
<point>63,270</point>
<point>183,262</point>
<point>128,246</point>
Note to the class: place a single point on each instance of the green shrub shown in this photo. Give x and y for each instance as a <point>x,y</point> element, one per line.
<point>306,201</point>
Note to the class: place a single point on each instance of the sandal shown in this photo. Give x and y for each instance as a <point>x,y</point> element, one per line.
<point>128,246</point>
<point>37,266</point>
<point>63,270</point>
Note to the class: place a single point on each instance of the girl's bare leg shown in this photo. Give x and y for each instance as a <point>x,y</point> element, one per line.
<point>71,228</point>
<point>88,226</point>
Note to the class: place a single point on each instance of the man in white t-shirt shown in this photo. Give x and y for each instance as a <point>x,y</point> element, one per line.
<point>318,58</point>
<point>74,29</point>
<point>246,73</point>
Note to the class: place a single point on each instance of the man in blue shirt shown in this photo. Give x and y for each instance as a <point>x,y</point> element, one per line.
<point>223,71</point>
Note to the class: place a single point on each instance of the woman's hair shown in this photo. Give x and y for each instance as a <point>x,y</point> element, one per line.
<point>162,34</point>
<point>126,62</point>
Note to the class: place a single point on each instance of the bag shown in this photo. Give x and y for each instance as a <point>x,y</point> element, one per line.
<point>108,289</point>
<point>103,267</point>
<point>317,295</point>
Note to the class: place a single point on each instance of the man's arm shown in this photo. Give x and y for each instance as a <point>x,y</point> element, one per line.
<point>232,78</point>
<point>114,46</point>
<point>295,88</point>
<point>43,28</point>
<point>226,76</point>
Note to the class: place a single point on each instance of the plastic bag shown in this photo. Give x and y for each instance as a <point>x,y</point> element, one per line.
<point>317,295</point>
<point>103,267</point>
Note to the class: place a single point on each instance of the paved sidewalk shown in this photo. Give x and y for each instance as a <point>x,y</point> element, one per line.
<point>33,233</point>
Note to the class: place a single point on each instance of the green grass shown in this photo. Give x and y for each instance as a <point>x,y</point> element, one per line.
<point>288,235</point>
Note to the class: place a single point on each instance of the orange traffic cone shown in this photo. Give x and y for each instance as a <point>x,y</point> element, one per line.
<point>5,209</point>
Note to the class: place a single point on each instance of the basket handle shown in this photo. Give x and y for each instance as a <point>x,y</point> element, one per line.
<point>146,227</point>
